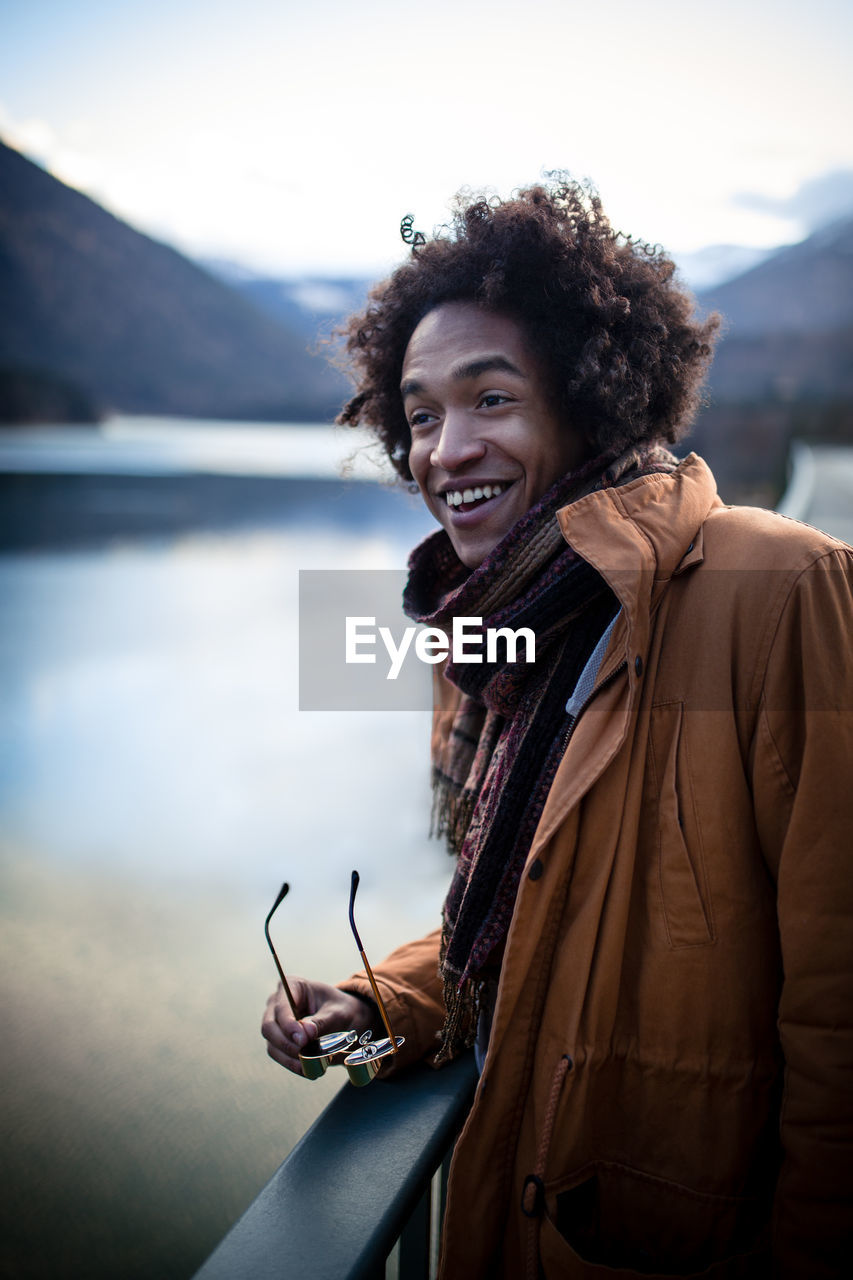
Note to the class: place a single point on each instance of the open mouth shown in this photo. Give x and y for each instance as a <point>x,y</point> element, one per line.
<point>476,496</point>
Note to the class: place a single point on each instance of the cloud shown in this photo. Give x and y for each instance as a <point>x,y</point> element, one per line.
<point>814,204</point>
<point>39,142</point>
<point>34,138</point>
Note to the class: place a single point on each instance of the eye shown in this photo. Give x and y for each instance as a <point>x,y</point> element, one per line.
<point>490,399</point>
<point>420,418</point>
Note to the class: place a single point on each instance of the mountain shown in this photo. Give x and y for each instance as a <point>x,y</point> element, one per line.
<point>716,263</point>
<point>309,305</point>
<point>133,325</point>
<point>788,323</point>
<point>802,288</point>
<point>784,363</point>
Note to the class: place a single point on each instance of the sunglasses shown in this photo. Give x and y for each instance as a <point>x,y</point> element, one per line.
<point>363,1062</point>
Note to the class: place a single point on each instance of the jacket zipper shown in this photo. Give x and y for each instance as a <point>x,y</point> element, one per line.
<point>570,727</point>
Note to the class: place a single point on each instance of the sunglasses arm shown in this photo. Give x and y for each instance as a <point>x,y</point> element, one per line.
<point>285,889</point>
<point>379,1001</point>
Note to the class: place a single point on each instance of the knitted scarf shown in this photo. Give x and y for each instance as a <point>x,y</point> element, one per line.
<point>491,783</point>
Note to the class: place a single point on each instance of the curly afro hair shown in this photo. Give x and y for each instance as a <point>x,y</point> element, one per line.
<point>615,333</point>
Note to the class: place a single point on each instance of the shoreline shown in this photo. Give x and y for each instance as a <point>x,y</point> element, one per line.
<point>63,510</point>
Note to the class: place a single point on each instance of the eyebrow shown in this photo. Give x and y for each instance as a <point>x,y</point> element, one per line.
<point>462,372</point>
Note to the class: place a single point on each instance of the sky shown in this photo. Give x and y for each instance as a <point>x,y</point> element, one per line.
<point>292,137</point>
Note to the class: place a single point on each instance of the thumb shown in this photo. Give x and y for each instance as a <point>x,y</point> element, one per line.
<point>313,1028</point>
<point>324,1018</point>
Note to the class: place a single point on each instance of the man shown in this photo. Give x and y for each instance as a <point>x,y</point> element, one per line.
<point>648,931</point>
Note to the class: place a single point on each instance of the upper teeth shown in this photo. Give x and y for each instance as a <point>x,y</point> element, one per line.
<point>455,497</point>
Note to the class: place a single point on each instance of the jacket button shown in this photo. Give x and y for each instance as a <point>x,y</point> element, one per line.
<point>536,870</point>
<point>638,665</point>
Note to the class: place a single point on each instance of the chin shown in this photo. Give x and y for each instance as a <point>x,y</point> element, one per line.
<point>473,556</point>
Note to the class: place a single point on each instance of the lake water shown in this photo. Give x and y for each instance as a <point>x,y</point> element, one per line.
<point>157,784</point>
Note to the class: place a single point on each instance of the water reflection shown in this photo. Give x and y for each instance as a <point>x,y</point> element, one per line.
<point>157,783</point>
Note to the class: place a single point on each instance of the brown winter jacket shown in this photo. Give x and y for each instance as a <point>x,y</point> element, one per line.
<point>669,1082</point>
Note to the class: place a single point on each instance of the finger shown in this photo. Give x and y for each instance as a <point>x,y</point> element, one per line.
<point>278,1011</point>
<point>328,1014</point>
<point>313,1021</point>
<point>272,1032</point>
<point>280,1047</point>
<point>299,990</point>
<point>309,1029</point>
<point>280,1028</point>
<point>282,1044</point>
<point>285,1060</point>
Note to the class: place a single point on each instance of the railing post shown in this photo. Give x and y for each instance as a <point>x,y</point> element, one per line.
<point>444,1175</point>
<point>414,1240</point>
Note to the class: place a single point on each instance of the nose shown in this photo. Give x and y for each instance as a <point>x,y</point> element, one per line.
<point>458,443</point>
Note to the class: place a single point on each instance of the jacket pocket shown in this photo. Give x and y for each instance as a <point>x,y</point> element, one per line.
<point>681,864</point>
<point>612,1220</point>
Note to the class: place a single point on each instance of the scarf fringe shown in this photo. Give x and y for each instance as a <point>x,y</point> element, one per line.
<point>452,809</point>
<point>462,1005</point>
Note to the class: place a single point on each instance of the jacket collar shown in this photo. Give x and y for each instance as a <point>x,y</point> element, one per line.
<point>639,535</point>
<point>646,528</point>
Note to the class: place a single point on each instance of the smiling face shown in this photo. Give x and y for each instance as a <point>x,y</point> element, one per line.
<point>486,443</point>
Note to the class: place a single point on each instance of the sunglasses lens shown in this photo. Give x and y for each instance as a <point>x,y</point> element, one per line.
<point>317,1056</point>
<point>313,1068</point>
<point>363,1063</point>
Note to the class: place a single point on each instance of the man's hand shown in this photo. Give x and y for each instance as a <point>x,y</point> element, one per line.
<point>322,1008</point>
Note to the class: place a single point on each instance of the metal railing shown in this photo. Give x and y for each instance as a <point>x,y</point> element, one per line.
<point>359,1180</point>
<point>796,499</point>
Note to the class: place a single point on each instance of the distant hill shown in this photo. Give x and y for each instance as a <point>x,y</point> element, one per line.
<point>309,305</point>
<point>36,395</point>
<point>784,364</point>
<point>133,324</point>
<point>789,322</point>
<point>802,288</point>
<point>715,264</point>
